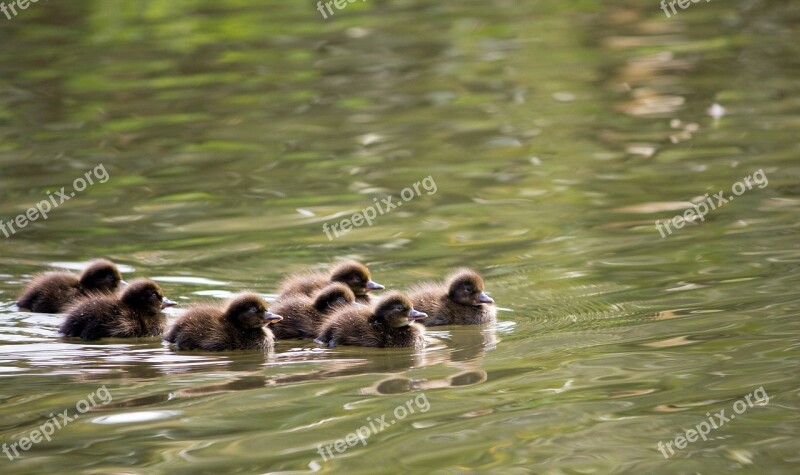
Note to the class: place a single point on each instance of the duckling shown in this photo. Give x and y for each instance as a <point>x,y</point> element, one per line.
<point>461,301</point>
<point>351,273</point>
<point>302,315</point>
<point>391,324</point>
<point>53,292</point>
<point>136,312</point>
<point>239,325</point>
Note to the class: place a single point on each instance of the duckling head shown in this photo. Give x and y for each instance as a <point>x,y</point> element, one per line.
<point>396,310</point>
<point>466,288</point>
<point>249,310</point>
<point>356,276</point>
<point>332,296</point>
<point>145,296</point>
<point>101,275</point>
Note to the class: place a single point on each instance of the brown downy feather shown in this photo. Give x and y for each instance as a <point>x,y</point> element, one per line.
<point>303,315</point>
<point>389,325</point>
<point>351,273</point>
<point>239,324</point>
<point>459,301</point>
<point>53,292</point>
<point>136,312</point>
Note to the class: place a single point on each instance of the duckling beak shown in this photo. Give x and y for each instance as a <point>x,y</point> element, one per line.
<point>483,298</point>
<point>372,285</point>
<point>165,302</point>
<point>415,315</point>
<point>270,317</point>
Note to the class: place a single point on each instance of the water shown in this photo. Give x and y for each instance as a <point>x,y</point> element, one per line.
<point>556,135</point>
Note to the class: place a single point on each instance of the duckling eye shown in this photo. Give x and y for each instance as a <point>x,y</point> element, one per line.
<point>253,309</point>
<point>155,295</point>
<point>399,308</point>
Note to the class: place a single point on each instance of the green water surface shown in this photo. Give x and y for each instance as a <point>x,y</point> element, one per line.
<point>556,134</point>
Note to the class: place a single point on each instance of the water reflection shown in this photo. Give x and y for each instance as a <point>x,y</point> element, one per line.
<point>461,349</point>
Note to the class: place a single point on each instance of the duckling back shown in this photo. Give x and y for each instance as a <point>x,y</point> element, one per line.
<point>300,318</point>
<point>204,327</point>
<point>349,326</point>
<point>98,317</point>
<point>91,319</point>
<point>50,292</point>
<point>356,326</point>
<point>304,283</point>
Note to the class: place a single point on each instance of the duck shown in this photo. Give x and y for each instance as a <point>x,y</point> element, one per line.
<point>54,292</point>
<point>351,273</point>
<point>391,323</point>
<point>461,300</point>
<point>239,324</point>
<point>303,315</point>
<point>134,313</point>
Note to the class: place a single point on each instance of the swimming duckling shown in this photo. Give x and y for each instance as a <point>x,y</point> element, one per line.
<point>302,315</point>
<point>239,325</point>
<point>391,324</point>
<point>351,273</point>
<point>136,312</point>
<point>53,292</point>
<point>461,301</point>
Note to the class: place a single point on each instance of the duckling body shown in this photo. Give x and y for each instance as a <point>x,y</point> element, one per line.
<point>351,273</point>
<point>54,292</point>
<point>135,313</point>
<point>391,324</point>
<point>459,301</point>
<point>239,325</point>
<point>303,315</point>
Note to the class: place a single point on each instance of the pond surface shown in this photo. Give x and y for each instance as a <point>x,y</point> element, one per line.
<point>222,136</point>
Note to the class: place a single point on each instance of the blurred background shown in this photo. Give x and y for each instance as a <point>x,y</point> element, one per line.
<point>557,133</point>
